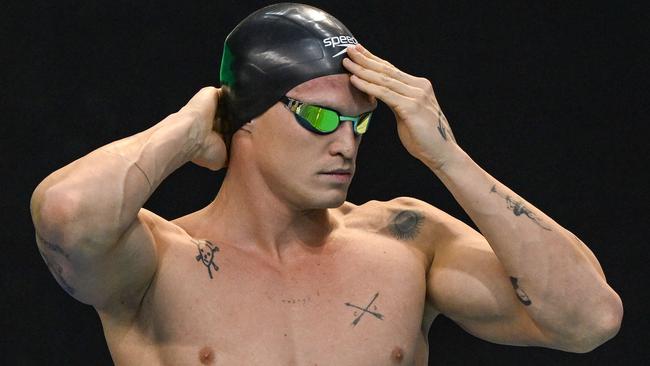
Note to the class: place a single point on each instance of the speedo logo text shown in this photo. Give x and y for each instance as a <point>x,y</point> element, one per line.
<point>339,41</point>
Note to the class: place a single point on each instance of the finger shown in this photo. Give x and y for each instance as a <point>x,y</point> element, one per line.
<point>380,79</point>
<point>393,99</point>
<point>386,68</point>
<point>420,82</point>
<point>364,51</point>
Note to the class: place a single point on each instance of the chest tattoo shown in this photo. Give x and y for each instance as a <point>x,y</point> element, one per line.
<point>361,311</point>
<point>406,224</point>
<point>206,254</point>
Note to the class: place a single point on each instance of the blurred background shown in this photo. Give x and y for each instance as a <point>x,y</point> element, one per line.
<point>550,97</point>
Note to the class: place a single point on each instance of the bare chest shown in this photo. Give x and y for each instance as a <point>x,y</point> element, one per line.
<point>359,304</point>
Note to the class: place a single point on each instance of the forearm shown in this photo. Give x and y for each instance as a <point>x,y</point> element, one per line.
<point>98,196</point>
<point>553,273</point>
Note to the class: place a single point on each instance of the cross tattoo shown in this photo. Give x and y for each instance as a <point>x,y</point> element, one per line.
<point>365,310</point>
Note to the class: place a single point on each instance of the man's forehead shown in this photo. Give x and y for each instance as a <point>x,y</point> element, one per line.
<point>334,91</point>
<point>327,81</point>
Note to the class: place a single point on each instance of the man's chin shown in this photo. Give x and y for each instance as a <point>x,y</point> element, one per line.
<point>331,202</point>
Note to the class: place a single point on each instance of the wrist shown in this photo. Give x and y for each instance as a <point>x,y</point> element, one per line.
<point>201,145</point>
<point>454,158</point>
<point>186,130</point>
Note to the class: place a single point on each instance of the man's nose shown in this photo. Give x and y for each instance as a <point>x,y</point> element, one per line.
<point>344,140</point>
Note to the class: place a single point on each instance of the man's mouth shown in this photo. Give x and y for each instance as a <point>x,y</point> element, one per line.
<point>339,175</point>
<point>338,171</point>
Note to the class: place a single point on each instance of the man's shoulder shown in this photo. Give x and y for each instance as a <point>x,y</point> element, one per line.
<point>396,206</point>
<point>400,211</point>
<point>405,220</point>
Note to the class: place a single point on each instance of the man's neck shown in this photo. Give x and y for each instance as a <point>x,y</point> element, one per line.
<point>249,215</point>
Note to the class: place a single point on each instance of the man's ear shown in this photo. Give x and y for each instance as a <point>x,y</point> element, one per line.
<point>249,126</point>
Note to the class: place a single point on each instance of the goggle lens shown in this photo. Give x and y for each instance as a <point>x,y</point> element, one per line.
<point>323,120</point>
<point>362,125</point>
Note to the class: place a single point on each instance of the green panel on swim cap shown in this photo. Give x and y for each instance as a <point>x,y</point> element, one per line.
<point>226,75</point>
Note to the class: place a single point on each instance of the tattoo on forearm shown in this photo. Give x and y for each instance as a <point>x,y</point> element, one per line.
<point>518,208</point>
<point>406,225</point>
<point>363,310</point>
<point>55,268</point>
<point>206,254</point>
<point>444,128</point>
<point>57,271</point>
<point>54,247</point>
<point>521,294</point>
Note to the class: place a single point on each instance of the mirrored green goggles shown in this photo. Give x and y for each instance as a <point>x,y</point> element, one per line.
<point>323,120</point>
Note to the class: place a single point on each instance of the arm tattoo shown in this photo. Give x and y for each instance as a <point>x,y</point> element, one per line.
<point>206,254</point>
<point>521,294</point>
<point>443,127</point>
<point>55,268</point>
<point>406,225</point>
<point>54,247</point>
<point>365,310</point>
<point>518,208</point>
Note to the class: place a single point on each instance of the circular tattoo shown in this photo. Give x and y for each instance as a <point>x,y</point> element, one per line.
<point>406,225</point>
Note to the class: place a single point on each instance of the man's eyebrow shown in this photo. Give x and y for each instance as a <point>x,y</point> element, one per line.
<point>345,114</point>
<point>329,106</point>
<point>324,105</point>
<point>317,104</point>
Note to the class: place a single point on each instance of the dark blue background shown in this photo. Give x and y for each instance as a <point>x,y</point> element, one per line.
<point>549,97</point>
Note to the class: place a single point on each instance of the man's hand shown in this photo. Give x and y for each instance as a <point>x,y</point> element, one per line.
<point>421,125</point>
<point>203,108</point>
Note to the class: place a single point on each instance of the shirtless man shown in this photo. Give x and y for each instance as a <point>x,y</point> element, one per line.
<point>279,269</point>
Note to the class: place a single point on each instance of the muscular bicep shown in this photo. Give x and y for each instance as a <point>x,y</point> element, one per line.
<point>103,277</point>
<point>468,284</point>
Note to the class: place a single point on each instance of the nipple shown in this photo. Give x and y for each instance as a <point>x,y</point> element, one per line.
<point>397,355</point>
<point>206,356</point>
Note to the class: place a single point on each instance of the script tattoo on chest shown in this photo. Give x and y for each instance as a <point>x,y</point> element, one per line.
<point>361,311</point>
<point>406,225</point>
<point>206,254</point>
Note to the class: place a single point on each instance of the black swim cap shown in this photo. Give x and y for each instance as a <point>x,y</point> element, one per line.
<point>273,50</point>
